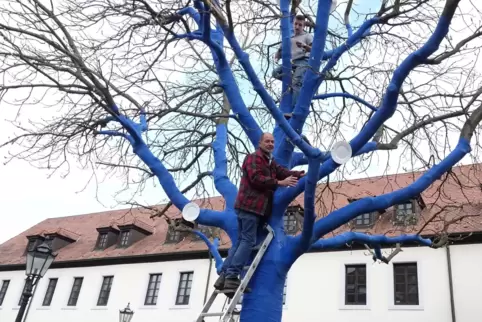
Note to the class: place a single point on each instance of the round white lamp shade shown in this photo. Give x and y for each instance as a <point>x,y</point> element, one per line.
<point>341,152</point>
<point>191,211</point>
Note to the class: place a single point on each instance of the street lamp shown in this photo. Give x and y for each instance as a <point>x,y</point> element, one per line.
<point>38,262</point>
<point>126,314</point>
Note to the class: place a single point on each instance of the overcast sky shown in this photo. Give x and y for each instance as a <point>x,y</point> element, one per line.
<point>29,196</point>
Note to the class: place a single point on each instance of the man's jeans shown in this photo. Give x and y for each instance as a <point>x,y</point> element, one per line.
<point>239,253</point>
<point>300,66</point>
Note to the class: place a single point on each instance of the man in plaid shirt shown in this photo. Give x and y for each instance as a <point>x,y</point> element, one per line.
<point>260,178</point>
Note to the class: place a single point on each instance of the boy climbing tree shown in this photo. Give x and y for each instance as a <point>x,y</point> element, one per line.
<point>300,53</point>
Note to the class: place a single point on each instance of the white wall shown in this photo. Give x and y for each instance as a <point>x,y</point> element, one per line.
<point>467,275</point>
<point>315,290</point>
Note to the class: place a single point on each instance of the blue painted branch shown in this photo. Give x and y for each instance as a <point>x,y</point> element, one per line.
<point>354,237</point>
<point>285,148</point>
<point>390,98</point>
<point>249,124</point>
<point>347,95</point>
<point>298,158</point>
<point>116,133</point>
<point>268,100</point>
<point>369,204</point>
<point>301,110</point>
<point>285,26</point>
<point>326,168</point>
<point>221,180</point>
<point>309,205</point>
<point>213,249</point>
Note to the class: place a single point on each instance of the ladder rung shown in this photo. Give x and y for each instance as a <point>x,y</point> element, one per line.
<point>224,291</point>
<point>212,314</point>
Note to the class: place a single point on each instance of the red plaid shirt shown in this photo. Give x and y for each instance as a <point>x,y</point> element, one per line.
<point>258,183</point>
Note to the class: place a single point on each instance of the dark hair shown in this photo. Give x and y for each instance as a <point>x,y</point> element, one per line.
<point>300,17</point>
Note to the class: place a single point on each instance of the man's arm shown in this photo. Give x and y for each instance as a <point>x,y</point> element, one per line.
<point>254,168</point>
<point>283,173</point>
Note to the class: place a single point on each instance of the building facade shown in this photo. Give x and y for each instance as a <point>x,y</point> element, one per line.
<point>318,288</point>
<point>107,260</point>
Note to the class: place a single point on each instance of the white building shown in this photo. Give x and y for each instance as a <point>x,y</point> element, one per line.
<point>109,259</point>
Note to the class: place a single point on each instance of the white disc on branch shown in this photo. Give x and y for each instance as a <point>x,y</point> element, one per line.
<point>191,211</point>
<point>341,152</point>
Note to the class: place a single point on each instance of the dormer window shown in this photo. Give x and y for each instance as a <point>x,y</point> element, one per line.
<point>291,218</point>
<point>107,237</point>
<point>124,238</point>
<point>132,233</point>
<point>173,236</point>
<point>364,220</point>
<point>405,213</point>
<point>102,243</point>
<point>33,241</point>
<point>205,230</point>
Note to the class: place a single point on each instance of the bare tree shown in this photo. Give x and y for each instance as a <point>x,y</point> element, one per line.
<point>166,79</point>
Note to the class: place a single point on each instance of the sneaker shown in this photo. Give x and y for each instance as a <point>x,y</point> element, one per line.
<point>219,284</point>
<point>231,283</point>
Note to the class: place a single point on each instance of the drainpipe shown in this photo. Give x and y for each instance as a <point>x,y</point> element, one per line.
<point>451,285</point>
<point>209,277</point>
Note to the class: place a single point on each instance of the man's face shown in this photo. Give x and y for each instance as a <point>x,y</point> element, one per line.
<point>299,26</point>
<point>267,143</point>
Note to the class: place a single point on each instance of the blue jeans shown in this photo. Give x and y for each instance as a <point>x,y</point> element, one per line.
<point>241,250</point>
<point>300,67</point>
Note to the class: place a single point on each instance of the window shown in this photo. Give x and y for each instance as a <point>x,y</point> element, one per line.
<point>105,291</point>
<point>406,284</point>
<point>3,290</point>
<point>184,289</point>
<point>205,230</point>
<point>74,293</point>
<point>102,241</point>
<point>50,292</point>
<point>31,245</point>
<point>124,238</point>
<point>153,289</point>
<point>364,220</point>
<point>355,285</point>
<point>173,236</point>
<point>289,222</point>
<point>404,214</point>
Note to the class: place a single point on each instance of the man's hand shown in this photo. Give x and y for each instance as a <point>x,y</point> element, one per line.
<point>288,182</point>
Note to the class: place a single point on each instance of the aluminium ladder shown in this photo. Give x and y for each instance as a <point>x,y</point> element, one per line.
<point>227,314</point>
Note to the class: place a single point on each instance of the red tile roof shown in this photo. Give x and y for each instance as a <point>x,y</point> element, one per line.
<point>451,198</point>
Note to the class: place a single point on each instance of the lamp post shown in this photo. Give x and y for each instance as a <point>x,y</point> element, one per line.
<point>126,314</point>
<point>38,262</point>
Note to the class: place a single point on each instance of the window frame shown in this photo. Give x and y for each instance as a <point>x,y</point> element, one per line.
<point>179,288</point>
<point>391,287</point>
<point>400,215</point>
<point>371,220</point>
<point>406,284</point>
<point>101,242</point>
<point>4,290</point>
<point>156,289</point>
<point>71,295</point>
<point>105,293</point>
<point>50,291</point>
<point>125,238</point>
<point>342,285</point>
<point>356,284</point>
<point>287,219</point>
<point>171,233</point>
